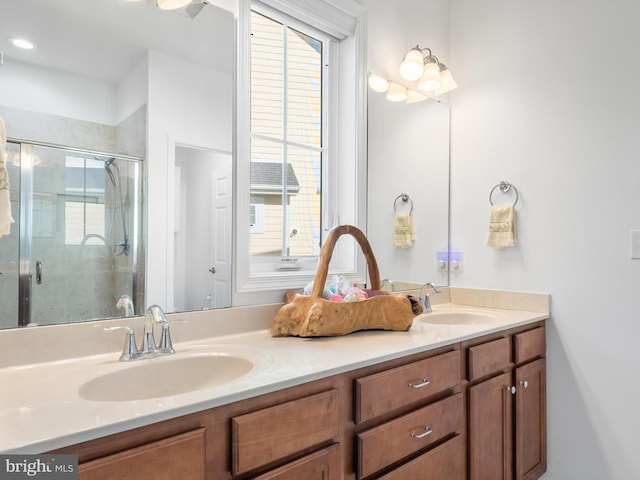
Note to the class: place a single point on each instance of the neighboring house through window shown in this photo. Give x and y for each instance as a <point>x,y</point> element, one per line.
<point>301,150</point>
<point>286,136</point>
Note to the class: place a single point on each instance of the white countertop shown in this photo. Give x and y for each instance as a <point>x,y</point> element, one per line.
<point>41,409</point>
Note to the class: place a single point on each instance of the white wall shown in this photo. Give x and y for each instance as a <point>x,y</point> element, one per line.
<point>548,100</point>
<point>45,90</point>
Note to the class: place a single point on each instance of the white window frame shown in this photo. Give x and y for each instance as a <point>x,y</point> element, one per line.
<point>343,192</point>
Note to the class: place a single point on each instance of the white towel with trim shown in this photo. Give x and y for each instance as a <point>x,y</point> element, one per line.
<point>502,227</point>
<point>404,233</point>
<point>5,200</point>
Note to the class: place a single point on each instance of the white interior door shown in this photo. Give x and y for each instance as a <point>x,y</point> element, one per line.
<point>222,233</point>
<point>202,229</point>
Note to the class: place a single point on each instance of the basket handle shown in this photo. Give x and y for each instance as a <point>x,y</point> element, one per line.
<point>327,251</point>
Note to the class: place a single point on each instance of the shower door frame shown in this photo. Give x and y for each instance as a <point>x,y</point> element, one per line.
<point>25,274</point>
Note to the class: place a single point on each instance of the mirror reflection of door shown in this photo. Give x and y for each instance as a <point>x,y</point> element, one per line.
<point>202,229</point>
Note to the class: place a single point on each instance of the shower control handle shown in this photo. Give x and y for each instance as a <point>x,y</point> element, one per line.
<point>39,272</point>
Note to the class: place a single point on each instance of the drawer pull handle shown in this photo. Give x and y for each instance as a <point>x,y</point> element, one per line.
<point>426,433</point>
<point>423,383</point>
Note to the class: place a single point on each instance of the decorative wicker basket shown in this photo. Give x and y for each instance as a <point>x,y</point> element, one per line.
<point>313,316</point>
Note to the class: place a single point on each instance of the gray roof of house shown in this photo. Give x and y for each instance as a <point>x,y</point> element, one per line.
<point>266,177</point>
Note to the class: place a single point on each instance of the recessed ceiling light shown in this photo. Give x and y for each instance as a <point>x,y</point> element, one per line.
<point>22,43</point>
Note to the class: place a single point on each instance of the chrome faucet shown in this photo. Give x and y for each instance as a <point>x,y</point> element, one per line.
<point>154,312</point>
<point>384,281</point>
<point>149,348</point>
<point>126,303</point>
<point>425,299</point>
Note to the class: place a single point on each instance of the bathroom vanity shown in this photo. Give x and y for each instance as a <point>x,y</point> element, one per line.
<point>462,395</point>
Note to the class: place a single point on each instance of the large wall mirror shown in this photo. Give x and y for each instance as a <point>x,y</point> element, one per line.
<point>121,127</point>
<point>120,114</point>
<point>408,161</point>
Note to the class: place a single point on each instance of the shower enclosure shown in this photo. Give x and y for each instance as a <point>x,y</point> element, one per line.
<point>74,249</point>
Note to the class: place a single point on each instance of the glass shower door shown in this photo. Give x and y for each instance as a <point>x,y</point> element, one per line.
<point>73,251</point>
<point>81,236</point>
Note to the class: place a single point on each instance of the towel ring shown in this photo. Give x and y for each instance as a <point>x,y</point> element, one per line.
<point>405,198</point>
<point>504,188</point>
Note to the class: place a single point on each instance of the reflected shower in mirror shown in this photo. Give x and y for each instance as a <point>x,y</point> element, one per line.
<point>74,249</point>
<point>113,79</point>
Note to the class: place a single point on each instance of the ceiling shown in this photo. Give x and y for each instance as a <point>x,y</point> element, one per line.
<point>103,39</point>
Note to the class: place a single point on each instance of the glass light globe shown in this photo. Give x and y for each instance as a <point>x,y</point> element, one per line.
<point>396,93</point>
<point>448,83</point>
<point>430,81</point>
<point>378,83</point>
<point>172,4</point>
<point>412,66</point>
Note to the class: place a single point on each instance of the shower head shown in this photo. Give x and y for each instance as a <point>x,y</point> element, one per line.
<point>107,161</point>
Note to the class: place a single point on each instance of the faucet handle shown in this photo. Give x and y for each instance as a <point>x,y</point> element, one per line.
<point>166,345</point>
<point>424,299</point>
<point>130,350</point>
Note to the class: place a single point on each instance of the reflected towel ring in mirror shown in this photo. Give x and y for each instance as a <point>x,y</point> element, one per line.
<point>504,188</point>
<point>405,198</point>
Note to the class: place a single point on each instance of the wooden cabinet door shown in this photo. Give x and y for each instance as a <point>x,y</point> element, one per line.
<point>490,429</point>
<point>273,433</point>
<point>321,465</point>
<point>181,456</point>
<point>531,434</point>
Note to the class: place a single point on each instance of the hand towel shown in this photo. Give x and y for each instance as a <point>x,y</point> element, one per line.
<point>502,227</point>
<point>404,234</point>
<point>5,201</point>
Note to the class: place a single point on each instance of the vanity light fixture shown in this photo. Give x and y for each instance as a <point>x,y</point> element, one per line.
<point>172,4</point>
<point>22,43</point>
<point>431,74</point>
<point>421,66</point>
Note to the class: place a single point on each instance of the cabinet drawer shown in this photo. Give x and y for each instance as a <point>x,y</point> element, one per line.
<point>392,441</point>
<point>530,344</point>
<point>181,456</point>
<point>267,435</point>
<point>385,391</point>
<point>489,358</point>
<point>321,465</point>
<point>442,463</point>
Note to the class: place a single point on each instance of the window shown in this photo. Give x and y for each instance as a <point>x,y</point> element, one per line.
<point>84,205</point>
<point>287,142</point>
<point>300,142</point>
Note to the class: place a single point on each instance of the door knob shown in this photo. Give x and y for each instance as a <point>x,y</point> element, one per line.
<point>212,270</point>
<point>524,383</point>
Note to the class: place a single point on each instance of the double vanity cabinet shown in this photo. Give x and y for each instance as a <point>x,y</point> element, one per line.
<point>474,409</point>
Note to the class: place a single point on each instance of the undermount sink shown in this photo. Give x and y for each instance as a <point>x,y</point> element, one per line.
<point>458,318</point>
<point>165,376</point>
